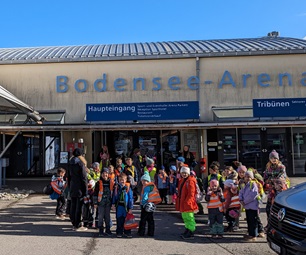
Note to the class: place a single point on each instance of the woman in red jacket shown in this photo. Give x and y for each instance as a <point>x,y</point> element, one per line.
<point>186,202</point>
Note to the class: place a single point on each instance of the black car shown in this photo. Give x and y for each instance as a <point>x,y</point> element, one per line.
<point>286,232</point>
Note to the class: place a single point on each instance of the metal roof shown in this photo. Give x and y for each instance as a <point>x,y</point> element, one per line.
<point>178,49</point>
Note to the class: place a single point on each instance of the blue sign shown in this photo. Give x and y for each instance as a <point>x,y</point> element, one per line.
<point>279,107</point>
<point>143,111</point>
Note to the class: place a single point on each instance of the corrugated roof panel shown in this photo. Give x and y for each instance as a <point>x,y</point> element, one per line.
<point>139,49</point>
<point>184,47</point>
<point>210,48</point>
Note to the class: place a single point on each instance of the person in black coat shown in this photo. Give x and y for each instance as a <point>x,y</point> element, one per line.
<point>77,182</point>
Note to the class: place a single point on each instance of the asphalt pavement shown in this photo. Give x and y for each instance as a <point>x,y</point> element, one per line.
<point>29,226</point>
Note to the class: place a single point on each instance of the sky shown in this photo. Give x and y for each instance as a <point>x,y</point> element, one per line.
<point>34,23</point>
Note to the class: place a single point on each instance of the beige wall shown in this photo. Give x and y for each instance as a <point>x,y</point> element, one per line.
<point>36,83</point>
<point>214,68</point>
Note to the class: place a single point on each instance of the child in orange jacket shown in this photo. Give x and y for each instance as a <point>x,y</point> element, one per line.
<point>186,202</point>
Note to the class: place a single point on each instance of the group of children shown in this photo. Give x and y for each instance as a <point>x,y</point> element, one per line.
<point>234,191</point>
<point>226,194</point>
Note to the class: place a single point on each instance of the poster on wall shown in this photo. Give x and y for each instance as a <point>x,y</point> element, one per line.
<point>64,157</point>
<point>143,111</point>
<point>191,140</point>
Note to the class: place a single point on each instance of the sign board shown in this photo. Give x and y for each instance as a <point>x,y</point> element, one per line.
<point>279,107</point>
<point>212,144</point>
<point>143,111</point>
<point>64,157</point>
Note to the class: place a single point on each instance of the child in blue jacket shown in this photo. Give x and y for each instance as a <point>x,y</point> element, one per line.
<point>123,202</point>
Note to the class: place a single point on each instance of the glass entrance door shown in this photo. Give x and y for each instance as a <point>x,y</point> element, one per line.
<point>251,148</point>
<point>299,148</point>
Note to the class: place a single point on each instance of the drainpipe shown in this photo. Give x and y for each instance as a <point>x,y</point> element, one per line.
<point>200,132</point>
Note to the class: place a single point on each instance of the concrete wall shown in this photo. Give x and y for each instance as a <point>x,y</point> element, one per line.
<point>36,83</point>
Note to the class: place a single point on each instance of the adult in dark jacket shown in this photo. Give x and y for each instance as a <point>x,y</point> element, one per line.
<point>77,182</point>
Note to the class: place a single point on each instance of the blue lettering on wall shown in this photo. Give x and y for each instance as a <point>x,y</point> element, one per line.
<point>174,80</point>
<point>100,81</point>
<point>303,81</point>
<point>227,79</point>
<point>102,84</point>
<point>263,77</point>
<point>77,85</point>
<point>61,84</point>
<point>281,77</point>
<point>156,83</point>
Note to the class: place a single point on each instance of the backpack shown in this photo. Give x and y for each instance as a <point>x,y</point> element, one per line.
<point>199,194</point>
<point>48,190</point>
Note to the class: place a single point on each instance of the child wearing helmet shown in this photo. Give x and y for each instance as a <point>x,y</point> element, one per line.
<point>147,207</point>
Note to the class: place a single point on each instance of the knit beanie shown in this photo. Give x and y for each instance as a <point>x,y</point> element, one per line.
<point>105,170</point>
<point>250,174</point>
<point>213,183</point>
<point>274,154</point>
<point>185,169</point>
<point>149,161</point>
<point>173,168</point>
<point>181,159</point>
<point>242,168</point>
<point>228,183</point>
<point>146,177</point>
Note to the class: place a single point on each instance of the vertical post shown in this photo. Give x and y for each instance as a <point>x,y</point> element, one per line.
<point>0,173</point>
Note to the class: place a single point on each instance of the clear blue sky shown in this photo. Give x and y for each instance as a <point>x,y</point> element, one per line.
<point>57,23</point>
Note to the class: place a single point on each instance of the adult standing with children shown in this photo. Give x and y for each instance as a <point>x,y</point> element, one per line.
<point>77,182</point>
<point>186,202</point>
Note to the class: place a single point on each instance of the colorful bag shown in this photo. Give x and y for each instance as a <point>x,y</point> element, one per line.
<point>130,222</point>
<point>48,190</point>
<point>54,195</point>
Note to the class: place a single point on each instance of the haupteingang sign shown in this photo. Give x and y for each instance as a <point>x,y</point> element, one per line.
<point>142,111</point>
<point>279,107</point>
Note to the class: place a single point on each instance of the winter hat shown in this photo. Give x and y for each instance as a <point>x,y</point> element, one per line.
<point>213,183</point>
<point>274,154</point>
<point>77,152</point>
<point>181,159</point>
<point>185,169</point>
<point>242,168</point>
<point>228,183</point>
<point>193,173</point>
<point>105,169</point>
<point>250,174</point>
<point>149,161</point>
<point>173,168</point>
<point>95,164</point>
<point>146,177</point>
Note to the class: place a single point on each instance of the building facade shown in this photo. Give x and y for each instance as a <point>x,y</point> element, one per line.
<point>227,99</point>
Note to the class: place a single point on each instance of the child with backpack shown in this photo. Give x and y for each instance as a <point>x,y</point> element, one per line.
<point>59,184</point>
<point>232,204</point>
<point>103,200</point>
<point>122,202</point>
<point>215,200</point>
<point>148,198</point>
<point>172,184</point>
<point>248,198</point>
